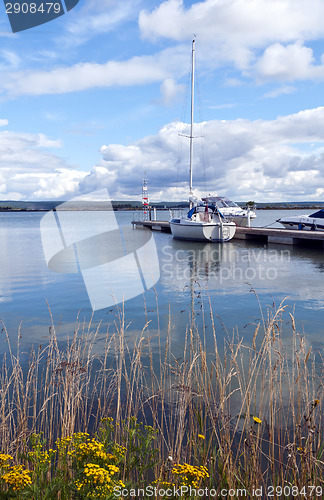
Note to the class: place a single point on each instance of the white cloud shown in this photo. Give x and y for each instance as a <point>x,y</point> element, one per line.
<point>233,82</point>
<point>29,170</point>
<point>83,76</point>
<point>288,63</point>
<point>281,159</point>
<point>284,90</point>
<point>262,39</point>
<point>241,22</point>
<point>9,60</point>
<point>95,17</point>
<point>170,91</point>
<point>262,160</point>
<point>3,122</point>
<point>236,31</point>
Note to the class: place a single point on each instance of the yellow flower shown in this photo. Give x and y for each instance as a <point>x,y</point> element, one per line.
<point>316,402</point>
<point>107,419</point>
<point>4,459</point>
<point>190,474</point>
<point>257,420</point>
<point>90,448</point>
<point>162,483</point>
<point>201,436</point>
<point>99,479</point>
<point>62,443</point>
<point>120,451</point>
<point>17,477</point>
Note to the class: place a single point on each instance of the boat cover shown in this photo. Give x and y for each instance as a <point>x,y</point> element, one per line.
<point>318,215</point>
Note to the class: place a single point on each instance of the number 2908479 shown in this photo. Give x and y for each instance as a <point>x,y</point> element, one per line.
<point>33,8</point>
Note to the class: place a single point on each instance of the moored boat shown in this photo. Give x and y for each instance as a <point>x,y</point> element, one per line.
<point>203,223</point>
<point>312,222</point>
<point>231,211</point>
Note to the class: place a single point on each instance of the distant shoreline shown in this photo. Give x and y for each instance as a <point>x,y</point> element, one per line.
<point>136,209</point>
<point>132,206</point>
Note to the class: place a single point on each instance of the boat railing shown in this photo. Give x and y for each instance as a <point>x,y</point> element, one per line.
<point>145,215</point>
<point>176,213</point>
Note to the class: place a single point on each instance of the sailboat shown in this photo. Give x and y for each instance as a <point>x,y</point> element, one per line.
<point>204,222</point>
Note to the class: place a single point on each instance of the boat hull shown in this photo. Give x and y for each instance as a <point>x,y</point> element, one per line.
<point>240,220</point>
<point>195,231</point>
<point>301,226</point>
<point>303,222</point>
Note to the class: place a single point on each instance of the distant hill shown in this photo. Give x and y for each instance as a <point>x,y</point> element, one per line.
<point>288,205</point>
<point>28,205</point>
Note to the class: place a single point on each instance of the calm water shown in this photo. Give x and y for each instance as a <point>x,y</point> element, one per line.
<point>223,273</point>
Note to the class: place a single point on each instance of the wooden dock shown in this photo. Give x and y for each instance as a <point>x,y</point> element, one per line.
<point>260,234</point>
<point>154,225</point>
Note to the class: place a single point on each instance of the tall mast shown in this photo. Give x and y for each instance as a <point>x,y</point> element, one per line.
<point>192,117</point>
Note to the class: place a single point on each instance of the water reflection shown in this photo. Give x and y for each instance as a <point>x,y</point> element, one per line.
<point>229,269</point>
<point>226,272</point>
<point>220,266</point>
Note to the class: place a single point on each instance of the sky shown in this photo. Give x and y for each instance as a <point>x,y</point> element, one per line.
<point>100,98</point>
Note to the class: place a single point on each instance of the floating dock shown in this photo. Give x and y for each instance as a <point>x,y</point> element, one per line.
<point>260,234</point>
<point>154,225</point>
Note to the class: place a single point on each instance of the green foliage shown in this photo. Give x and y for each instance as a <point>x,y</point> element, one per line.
<point>80,466</point>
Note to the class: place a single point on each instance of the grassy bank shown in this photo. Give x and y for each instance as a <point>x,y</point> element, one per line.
<point>76,424</point>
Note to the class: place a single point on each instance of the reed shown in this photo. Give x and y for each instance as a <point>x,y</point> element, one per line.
<point>246,414</point>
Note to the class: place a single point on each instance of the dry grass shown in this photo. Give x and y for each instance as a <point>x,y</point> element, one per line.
<point>257,407</point>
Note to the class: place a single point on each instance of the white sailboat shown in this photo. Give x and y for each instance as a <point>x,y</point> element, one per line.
<point>203,222</point>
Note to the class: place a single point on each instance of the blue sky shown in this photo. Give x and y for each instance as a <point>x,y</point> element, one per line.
<point>98,96</point>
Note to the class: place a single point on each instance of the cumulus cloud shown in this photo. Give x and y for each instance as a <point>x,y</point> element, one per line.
<point>244,22</point>
<point>243,159</point>
<point>30,170</point>
<point>288,63</point>
<point>264,160</point>
<point>237,31</point>
<point>263,40</point>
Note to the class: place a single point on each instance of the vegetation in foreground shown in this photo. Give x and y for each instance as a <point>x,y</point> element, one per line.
<point>245,423</point>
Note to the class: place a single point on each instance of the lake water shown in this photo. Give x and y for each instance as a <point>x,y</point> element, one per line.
<point>235,278</point>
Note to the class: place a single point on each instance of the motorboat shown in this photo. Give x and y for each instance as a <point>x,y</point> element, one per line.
<point>312,222</point>
<point>202,222</point>
<point>231,211</point>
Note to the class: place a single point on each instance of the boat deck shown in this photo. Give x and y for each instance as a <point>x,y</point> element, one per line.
<point>261,234</point>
